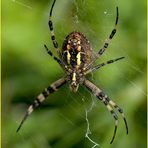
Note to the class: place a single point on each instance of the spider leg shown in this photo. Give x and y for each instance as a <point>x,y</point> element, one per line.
<point>102,64</point>
<point>61,63</point>
<point>50,24</point>
<point>109,104</point>
<point>101,51</point>
<point>41,97</point>
<point>51,54</point>
<point>113,104</point>
<point>110,109</point>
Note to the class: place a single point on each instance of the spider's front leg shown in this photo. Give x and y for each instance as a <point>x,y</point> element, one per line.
<point>41,97</point>
<point>95,68</point>
<point>59,61</point>
<point>107,42</point>
<point>109,104</point>
<point>54,57</point>
<point>50,23</point>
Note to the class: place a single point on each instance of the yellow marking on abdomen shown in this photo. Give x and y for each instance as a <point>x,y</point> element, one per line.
<point>79,48</point>
<point>68,46</point>
<point>78,42</point>
<point>68,57</point>
<point>78,58</point>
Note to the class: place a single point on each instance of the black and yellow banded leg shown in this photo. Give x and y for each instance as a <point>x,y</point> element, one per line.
<point>109,104</point>
<point>113,104</point>
<point>61,63</point>
<point>103,64</point>
<point>41,97</point>
<point>97,92</point>
<point>50,24</point>
<point>55,44</point>
<point>51,54</point>
<point>106,44</point>
<point>110,109</point>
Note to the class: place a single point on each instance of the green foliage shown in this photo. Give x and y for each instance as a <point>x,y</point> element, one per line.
<point>27,69</point>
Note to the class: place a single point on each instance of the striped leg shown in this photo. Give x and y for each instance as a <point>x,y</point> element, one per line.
<point>51,54</point>
<point>101,51</point>
<point>61,63</point>
<point>50,23</point>
<point>113,104</point>
<point>110,109</point>
<point>41,97</point>
<point>102,64</point>
<point>109,104</point>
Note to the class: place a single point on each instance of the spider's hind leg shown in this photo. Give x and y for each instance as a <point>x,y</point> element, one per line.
<point>41,97</point>
<point>113,104</point>
<point>109,104</point>
<point>110,109</point>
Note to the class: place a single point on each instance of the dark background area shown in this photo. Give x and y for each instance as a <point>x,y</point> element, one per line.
<point>27,69</point>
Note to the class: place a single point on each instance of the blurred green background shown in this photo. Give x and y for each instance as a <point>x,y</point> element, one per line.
<point>60,121</point>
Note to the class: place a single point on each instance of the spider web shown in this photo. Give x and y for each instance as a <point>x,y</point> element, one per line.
<point>21,4</point>
<point>88,131</point>
<point>129,63</point>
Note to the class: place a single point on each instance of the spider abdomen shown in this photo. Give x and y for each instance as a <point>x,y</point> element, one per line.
<point>76,50</point>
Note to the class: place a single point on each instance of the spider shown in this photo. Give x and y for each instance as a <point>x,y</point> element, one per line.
<point>76,59</point>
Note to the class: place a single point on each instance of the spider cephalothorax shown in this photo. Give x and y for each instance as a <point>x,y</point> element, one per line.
<point>77,60</point>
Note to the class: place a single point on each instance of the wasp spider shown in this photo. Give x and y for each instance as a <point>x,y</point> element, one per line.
<point>76,59</point>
